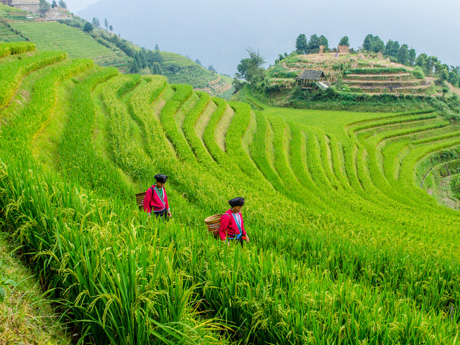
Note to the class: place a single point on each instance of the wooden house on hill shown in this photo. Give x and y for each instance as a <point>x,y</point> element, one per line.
<point>309,78</point>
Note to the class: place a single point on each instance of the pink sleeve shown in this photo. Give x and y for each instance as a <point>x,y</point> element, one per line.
<point>147,199</point>
<point>242,226</point>
<point>224,220</point>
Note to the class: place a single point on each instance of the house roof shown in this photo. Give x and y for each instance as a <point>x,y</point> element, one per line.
<point>310,74</point>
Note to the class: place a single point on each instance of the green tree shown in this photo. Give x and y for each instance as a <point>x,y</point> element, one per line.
<point>88,27</point>
<point>156,68</point>
<point>250,69</point>
<point>54,4</point>
<point>324,42</point>
<point>388,48</point>
<point>43,8</point>
<point>106,24</point>
<point>444,74</point>
<point>111,28</point>
<point>368,43</point>
<point>157,48</point>
<point>344,41</point>
<point>395,49</point>
<point>62,4</point>
<point>378,46</point>
<point>421,61</point>
<point>453,78</point>
<point>198,62</point>
<point>212,69</point>
<point>301,44</point>
<point>412,56</point>
<point>403,55</point>
<point>313,44</point>
<point>95,22</point>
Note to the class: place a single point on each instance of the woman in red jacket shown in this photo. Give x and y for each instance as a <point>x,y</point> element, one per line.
<point>231,222</point>
<point>156,199</point>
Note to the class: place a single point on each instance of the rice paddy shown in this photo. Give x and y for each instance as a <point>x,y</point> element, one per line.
<point>346,248</point>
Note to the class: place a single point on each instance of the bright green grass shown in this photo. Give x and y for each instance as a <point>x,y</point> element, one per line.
<point>55,36</point>
<point>323,119</point>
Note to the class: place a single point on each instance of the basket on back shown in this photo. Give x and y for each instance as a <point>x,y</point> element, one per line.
<point>140,200</point>
<point>213,224</point>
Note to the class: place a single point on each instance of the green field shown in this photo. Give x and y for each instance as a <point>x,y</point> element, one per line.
<point>346,248</point>
<point>51,36</point>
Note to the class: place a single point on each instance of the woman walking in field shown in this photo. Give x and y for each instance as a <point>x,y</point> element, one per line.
<point>231,222</point>
<point>156,199</point>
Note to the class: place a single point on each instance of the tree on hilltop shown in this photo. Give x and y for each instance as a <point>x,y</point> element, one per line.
<point>301,44</point>
<point>157,48</point>
<point>324,42</point>
<point>54,4</point>
<point>212,69</point>
<point>62,4</point>
<point>344,41</point>
<point>198,62</point>
<point>111,28</point>
<point>403,55</point>
<point>313,44</point>
<point>43,8</point>
<point>374,44</point>
<point>106,24</point>
<point>412,56</point>
<point>368,43</point>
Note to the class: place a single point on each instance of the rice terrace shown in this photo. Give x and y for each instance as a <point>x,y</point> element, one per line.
<point>350,175</point>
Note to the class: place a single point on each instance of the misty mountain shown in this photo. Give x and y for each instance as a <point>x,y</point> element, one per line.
<point>219,32</point>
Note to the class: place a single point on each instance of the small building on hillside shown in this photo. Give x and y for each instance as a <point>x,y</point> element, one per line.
<point>309,78</point>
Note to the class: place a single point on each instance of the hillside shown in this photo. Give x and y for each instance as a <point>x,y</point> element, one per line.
<point>104,48</point>
<point>355,73</point>
<point>345,246</point>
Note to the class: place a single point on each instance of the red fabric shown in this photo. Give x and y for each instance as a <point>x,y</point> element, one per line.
<point>228,226</point>
<point>153,203</point>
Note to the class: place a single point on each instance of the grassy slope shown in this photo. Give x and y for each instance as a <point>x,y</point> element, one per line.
<point>344,246</point>
<point>51,36</point>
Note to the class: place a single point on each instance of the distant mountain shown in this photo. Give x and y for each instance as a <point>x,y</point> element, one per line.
<point>218,32</point>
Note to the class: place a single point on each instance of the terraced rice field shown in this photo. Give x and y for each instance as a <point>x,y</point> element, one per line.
<point>51,36</point>
<point>345,245</point>
<point>398,83</point>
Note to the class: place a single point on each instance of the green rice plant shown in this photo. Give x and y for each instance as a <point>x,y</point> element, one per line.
<point>15,48</point>
<point>12,73</point>
<point>235,133</point>
<point>183,92</point>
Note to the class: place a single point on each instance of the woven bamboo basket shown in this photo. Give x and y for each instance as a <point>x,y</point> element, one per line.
<point>140,200</point>
<point>213,224</point>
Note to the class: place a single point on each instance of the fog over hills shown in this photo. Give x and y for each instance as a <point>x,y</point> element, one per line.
<point>218,32</point>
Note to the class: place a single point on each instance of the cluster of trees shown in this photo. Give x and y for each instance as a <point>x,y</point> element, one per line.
<point>147,62</point>
<point>396,52</point>
<point>44,6</point>
<point>304,46</point>
<point>430,65</point>
<point>96,24</point>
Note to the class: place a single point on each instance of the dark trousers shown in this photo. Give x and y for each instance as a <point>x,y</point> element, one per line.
<point>162,214</point>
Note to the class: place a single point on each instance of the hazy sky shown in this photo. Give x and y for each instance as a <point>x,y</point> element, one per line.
<point>218,31</point>
<point>77,5</point>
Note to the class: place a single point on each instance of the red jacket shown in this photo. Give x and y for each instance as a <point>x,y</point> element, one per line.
<point>228,226</point>
<point>153,202</point>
